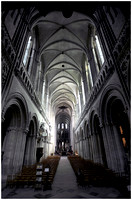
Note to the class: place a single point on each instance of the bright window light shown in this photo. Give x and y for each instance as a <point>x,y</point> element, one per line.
<point>27,50</point>
<point>99,49</point>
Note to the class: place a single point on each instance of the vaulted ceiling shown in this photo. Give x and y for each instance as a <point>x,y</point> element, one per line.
<point>62,36</point>
<point>63,46</point>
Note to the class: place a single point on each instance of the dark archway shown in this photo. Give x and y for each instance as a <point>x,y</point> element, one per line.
<point>120,121</point>
<point>12,121</point>
<point>11,140</point>
<point>30,147</point>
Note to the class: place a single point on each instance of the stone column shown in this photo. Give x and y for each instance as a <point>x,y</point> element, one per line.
<point>100,153</point>
<point>17,152</point>
<point>22,149</point>
<point>32,155</point>
<point>106,144</point>
<point>27,152</point>
<point>97,149</point>
<point>78,147</point>
<point>112,159</point>
<point>93,148</point>
<point>90,148</point>
<point>81,142</point>
<point>87,148</point>
<point>9,147</point>
<point>84,148</point>
<point>45,148</point>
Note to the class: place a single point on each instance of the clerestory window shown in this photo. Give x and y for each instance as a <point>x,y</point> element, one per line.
<point>65,126</point>
<point>27,51</point>
<point>99,51</point>
<point>88,75</point>
<point>58,126</point>
<point>98,54</point>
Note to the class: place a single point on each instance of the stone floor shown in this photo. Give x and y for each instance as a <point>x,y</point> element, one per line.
<point>63,187</point>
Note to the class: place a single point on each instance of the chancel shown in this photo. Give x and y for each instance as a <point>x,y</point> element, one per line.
<point>65,85</point>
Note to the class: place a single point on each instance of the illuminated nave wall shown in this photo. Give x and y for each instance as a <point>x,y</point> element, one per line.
<point>65,83</point>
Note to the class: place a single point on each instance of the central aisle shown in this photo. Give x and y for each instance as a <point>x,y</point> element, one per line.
<point>65,179</point>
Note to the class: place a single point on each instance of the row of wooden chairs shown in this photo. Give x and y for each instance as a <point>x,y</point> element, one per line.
<point>52,163</point>
<point>27,177</point>
<point>90,173</point>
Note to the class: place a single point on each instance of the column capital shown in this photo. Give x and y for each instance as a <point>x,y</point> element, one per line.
<point>26,131</point>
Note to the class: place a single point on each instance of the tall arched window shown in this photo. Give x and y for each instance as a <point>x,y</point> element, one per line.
<point>99,51</point>
<point>98,54</point>
<point>62,126</point>
<point>65,126</point>
<point>27,52</point>
<point>83,93</point>
<point>88,75</point>
<point>58,126</point>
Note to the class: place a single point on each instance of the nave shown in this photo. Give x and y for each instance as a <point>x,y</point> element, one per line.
<point>66,75</point>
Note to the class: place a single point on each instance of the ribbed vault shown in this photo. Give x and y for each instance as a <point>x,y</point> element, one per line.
<point>62,45</point>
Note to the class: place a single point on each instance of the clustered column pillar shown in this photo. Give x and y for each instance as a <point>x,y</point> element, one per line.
<point>22,148</point>
<point>17,149</point>
<point>112,159</point>
<point>32,155</point>
<point>9,148</point>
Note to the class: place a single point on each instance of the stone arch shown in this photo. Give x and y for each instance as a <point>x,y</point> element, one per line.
<point>112,91</point>
<point>116,122</point>
<point>14,127</point>
<point>18,100</point>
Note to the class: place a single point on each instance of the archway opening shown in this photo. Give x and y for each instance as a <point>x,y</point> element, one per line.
<point>63,140</point>
<point>30,147</point>
<point>121,122</point>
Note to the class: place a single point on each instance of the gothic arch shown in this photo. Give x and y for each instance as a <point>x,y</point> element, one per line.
<point>18,100</point>
<point>110,92</point>
<point>116,121</point>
